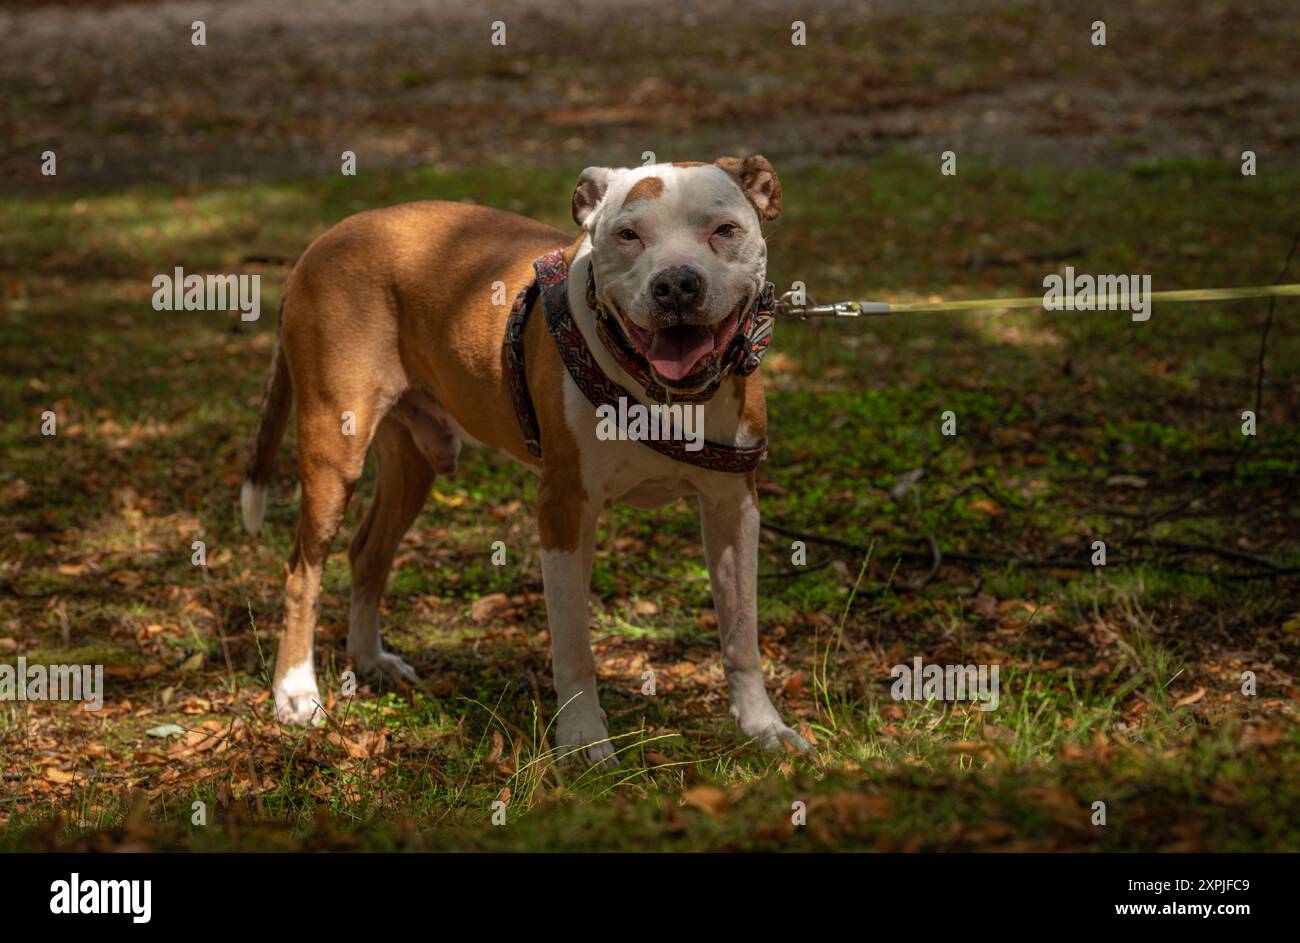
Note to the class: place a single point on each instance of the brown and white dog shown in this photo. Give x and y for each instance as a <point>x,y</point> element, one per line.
<point>390,317</point>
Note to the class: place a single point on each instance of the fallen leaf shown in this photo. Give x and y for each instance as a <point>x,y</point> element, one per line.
<point>905,483</point>
<point>856,806</point>
<point>1126,481</point>
<point>970,747</point>
<point>486,607</point>
<point>708,799</point>
<point>498,746</point>
<point>165,730</point>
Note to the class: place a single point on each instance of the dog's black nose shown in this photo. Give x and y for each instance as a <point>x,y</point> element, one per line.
<point>677,287</point>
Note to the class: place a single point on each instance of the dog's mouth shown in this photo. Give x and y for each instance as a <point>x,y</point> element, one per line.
<point>684,350</point>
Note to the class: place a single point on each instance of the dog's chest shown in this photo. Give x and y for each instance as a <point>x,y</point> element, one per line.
<point>624,470</point>
<point>653,493</point>
<point>630,473</point>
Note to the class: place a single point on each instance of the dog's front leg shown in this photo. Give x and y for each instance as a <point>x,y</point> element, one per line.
<point>729,514</point>
<point>567,527</point>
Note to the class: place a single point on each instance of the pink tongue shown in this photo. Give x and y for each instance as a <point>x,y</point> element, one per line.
<point>675,350</point>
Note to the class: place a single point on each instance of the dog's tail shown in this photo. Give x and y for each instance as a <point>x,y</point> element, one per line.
<point>276,402</point>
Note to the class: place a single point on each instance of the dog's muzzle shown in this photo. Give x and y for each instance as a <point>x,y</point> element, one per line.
<point>710,353</point>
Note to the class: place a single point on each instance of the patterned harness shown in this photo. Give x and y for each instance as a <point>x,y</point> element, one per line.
<point>752,338</point>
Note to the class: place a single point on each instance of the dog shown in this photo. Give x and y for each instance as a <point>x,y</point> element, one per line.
<point>394,337</point>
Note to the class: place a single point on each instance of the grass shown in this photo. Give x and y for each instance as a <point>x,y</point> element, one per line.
<point>1120,685</point>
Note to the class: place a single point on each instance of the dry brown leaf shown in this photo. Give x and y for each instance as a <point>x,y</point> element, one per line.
<point>970,747</point>
<point>56,775</point>
<point>984,605</point>
<point>708,799</point>
<point>498,746</point>
<point>985,506</point>
<point>486,607</point>
<point>856,805</point>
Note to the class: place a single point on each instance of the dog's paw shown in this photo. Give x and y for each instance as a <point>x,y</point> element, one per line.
<point>584,736</point>
<point>300,708</point>
<point>599,755</point>
<point>382,664</point>
<point>769,731</point>
<point>297,699</point>
<point>777,735</point>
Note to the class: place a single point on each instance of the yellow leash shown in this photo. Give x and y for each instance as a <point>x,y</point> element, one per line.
<point>787,307</point>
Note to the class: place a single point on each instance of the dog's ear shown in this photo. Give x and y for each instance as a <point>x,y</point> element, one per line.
<point>757,178</point>
<point>589,191</point>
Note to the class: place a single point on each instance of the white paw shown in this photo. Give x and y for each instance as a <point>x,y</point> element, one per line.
<point>297,699</point>
<point>775,736</point>
<point>584,734</point>
<point>770,732</point>
<point>384,665</point>
<point>300,706</point>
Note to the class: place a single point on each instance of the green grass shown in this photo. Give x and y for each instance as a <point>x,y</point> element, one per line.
<point>156,410</point>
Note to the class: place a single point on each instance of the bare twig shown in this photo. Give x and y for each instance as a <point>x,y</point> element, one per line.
<point>1226,553</point>
<point>938,560</point>
<point>985,487</point>
<point>935,553</point>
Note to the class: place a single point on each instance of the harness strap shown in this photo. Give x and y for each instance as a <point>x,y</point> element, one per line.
<point>513,348</point>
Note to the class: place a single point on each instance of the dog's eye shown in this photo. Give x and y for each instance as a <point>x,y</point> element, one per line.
<point>726,229</point>
<point>627,235</point>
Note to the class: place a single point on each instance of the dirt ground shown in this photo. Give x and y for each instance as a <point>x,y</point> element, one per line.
<point>281,89</point>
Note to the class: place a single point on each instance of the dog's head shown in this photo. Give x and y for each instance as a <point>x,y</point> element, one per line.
<point>678,255</point>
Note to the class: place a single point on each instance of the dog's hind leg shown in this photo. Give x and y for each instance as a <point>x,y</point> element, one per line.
<point>404,479</point>
<point>331,455</point>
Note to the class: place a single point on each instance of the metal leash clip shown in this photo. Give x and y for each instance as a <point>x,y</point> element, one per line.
<point>787,307</point>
